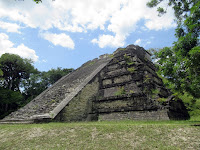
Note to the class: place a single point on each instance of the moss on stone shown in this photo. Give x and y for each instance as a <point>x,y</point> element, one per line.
<point>131,69</point>
<point>79,107</point>
<point>120,91</point>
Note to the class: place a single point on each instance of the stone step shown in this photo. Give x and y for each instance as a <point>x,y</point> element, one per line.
<point>124,96</point>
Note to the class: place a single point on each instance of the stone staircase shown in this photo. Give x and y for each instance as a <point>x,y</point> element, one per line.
<point>50,102</point>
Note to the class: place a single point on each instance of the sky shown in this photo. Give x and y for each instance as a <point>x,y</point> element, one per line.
<point>68,33</point>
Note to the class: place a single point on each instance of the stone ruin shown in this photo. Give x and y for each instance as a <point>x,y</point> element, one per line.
<point>120,86</point>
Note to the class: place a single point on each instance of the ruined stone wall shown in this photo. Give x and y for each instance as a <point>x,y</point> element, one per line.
<point>136,115</point>
<point>127,85</point>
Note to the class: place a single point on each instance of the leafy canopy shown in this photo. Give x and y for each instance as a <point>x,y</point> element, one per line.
<point>14,69</point>
<point>40,81</point>
<point>180,64</point>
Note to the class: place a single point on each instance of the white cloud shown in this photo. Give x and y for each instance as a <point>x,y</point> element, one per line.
<point>109,40</point>
<point>137,42</point>
<point>154,22</point>
<point>125,20</point>
<point>10,27</point>
<point>6,46</point>
<point>143,42</point>
<point>120,17</point>
<point>59,39</point>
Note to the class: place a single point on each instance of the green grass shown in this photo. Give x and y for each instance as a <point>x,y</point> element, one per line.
<point>111,135</point>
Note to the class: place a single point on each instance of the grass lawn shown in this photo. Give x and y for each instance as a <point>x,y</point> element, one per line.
<point>113,135</point>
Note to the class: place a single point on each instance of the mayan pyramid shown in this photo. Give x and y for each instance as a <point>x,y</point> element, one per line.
<point>120,86</point>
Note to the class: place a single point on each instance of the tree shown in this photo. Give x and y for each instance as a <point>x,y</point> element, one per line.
<point>16,73</point>
<point>54,75</point>
<point>40,81</point>
<point>38,1</point>
<point>15,69</point>
<point>180,63</point>
<point>9,101</point>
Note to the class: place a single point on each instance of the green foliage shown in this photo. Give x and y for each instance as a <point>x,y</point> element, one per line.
<point>128,59</point>
<point>153,3</point>
<point>16,73</point>
<point>91,63</point>
<point>38,1</point>
<point>53,101</point>
<point>111,55</point>
<point>131,70</point>
<point>154,93</point>
<point>161,100</point>
<point>54,75</point>
<point>9,101</point>
<point>192,103</point>
<point>121,91</point>
<point>131,92</point>
<point>161,11</point>
<point>147,79</point>
<point>40,81</point>
<point>122,49</point>
<point>15,69</point>
<point>1,73</point>
<point>180,64</point>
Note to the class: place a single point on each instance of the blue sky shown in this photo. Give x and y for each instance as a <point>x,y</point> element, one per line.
<point>67,33</point>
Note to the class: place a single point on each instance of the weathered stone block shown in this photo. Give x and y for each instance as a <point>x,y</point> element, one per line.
<point>107,81</point>
<point>127,104</point>
<point>135,115</point>
<point>132,88</point>
<point>110,91</point>
<point>123,78</point>
<point>112,67</point>
<point>115,72</point>
<point>122,62</point>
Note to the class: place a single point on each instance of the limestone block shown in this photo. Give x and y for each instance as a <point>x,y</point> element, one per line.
<point>114,72</point>
<point>136,115</point>
<point>124,104</point>
<point>102,73</point>
<point>113,104</point>
<point>132,88</point>
<point>147,56</point>
<point>107,81</point>
<point>112,67</point>
<point>122,62</point>
<point>122,79</point>
<point>134,59</point>
<point>110,91</point>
